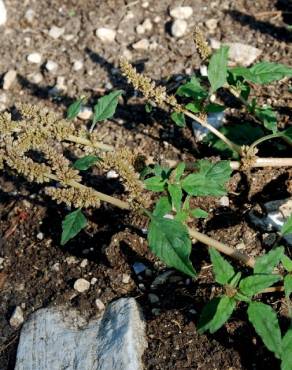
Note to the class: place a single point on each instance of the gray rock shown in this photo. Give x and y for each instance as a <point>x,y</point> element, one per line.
<point>9,78</point>
<point>277,213</point>
<point>3,13</point>
<point>60,339</point>
<point>16,318</point>
<point>179,28</point>
<point>181,12</point>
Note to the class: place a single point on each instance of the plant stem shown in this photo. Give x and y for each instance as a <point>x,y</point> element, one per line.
<point>265,138</point>
<point>83,141</point>
<point>205,124</point>
<point>265,162</point>
<point>279,288</point>
<point>235,93</point>
<point>104,197</point>
<point>223,248</point>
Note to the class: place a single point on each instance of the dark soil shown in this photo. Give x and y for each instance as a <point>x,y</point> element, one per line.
<point>36,270</point>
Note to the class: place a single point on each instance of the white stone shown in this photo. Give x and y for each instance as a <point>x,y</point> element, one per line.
<point>112,174</point>
<point>35,58</point>
<point>29,15</point>
<point>126,278</point>
<point>55,338</point>
<point>36,77</point>
<point>142,44</point>
<point>277,213</point>
<point>17,317</point>
<point>56,267</point>
<point>224,201</point>
<point>106,35</point>
<point>99,305</point>
<point>3,13</point>
<point>55,32</point>
<point>85,113</point>
<point>40,236</point>
<point>215,119</point>
<point>145,4</point>
<point>179,28</point>
<point>211,24</point>
<point>93,281</point>
<point>204,70</point>
<point>239,54</point>
<point>9,78</point>
<point>81,285</point>
<point>84,263</point>
<point>51,66</point>
<point>181,12</point>
<point>77,65</point>
<point>146,26</point>
<point>71,260</point>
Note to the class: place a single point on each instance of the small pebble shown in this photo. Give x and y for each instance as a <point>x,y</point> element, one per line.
<point>9,79</point>
<point>142,44</point>
<point>51,66</point>
<point>55,32</point>
<point>126,279</point>
<point>71,260</point>
<point>204,70</point>
<point>211,24</point>
<point>29,15</point>
<point>181,12</point>
<point>106,35</point>
<point>77,65</point>
<point>153,298</point>
<point>145,4</point>
<point>40,236</point>
<point>3,13</point>
<point>84,263</point>
<point>179,28</point>
<point>93,281</point>
<point>56,267</point>
<point>224,201</point>
<point>81,285</point>
<point>139,267</point>
<point>36,77</point>
<point>85,113</point>
<point>112,174</point>
<point>17,317</point>
<point>99,304</point>
<point>35,58</point>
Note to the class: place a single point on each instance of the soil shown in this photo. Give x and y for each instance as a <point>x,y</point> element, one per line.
<point>37,271</point>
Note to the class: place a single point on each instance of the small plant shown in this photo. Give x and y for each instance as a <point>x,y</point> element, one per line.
<point>169,234</point>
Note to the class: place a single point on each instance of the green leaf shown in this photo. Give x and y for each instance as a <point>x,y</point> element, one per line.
<point>265,264</point>
<point>216,313</point>
<point>222,269</point>
<point>288,133</point>
<point>287,263</point>
<point>181,216</point>
<point>148,108</point>
<point>288,285</point>
<point>194,107</point>
<point>214,108</point>
<point>264,319</point>
<point>198,213</point>
<point>192,89</point>
<point>241,72</point>
<point>178,119</point>
<point>241,297</point>
<point>256,283</point>
<point>169,240</point>
<point>75,108</point>
<point>268,116</point>
<point>82,164</point>
<point>175,192</point>
<point>235,280</point>
<point>286,357</point>
<point>209,180</point>
<point>162,207</point>
<point>155,183</point>
<point>266,72</point>
<point>106,106</point>
<point>287,227</point>
<point>179,170</point>
<point>73,223</point>
<point>240,134</point>
<point>217,69</point>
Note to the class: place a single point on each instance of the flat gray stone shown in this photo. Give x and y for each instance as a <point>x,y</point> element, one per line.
<point>56,338</point>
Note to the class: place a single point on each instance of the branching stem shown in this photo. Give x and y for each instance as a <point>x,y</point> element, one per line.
<point>87,142</point>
